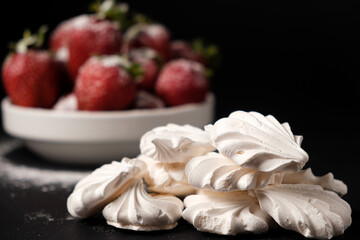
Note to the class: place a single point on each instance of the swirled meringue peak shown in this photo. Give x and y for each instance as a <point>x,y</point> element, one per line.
<point>328,182</point>
<point>168,178</point>
<point>102,186</point>
<point>259,142</point>
<point>219,173</point>
<point>226,213</point>
<point>174,143</point>
<point>306,208</point>
<point>135,209</point>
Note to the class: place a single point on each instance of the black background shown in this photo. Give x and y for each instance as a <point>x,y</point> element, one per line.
<point>296,60</point>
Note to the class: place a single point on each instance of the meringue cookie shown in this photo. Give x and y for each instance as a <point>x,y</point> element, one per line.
<point>135,209</point>
<point>166,177</point>
<point>227,213</point>
<point>174,143</point>
<point>306,208</point>
<point>255,141</point>
<point>219,173</point>
<point>307,177</point>
<point>102,186</point>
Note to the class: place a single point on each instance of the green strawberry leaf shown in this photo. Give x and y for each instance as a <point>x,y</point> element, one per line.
<point>135,69</point>
<point>141,18</point>
<point>210,52</point>
<point>110,9</point>
<point>119,12</point>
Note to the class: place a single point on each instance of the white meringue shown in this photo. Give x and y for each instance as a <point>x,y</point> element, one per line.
<point>306,208</point>
<point>135,209</point>
<point>166,177</point>
<point>253,180</point>
<point>307,177</point>
<point>227,213</point>
<point>102,186</point>
<point>255,141</point>
<point>174,143</point>
<point>214,171</point>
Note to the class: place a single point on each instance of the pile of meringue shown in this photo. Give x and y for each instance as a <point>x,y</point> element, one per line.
<point>242,174</point>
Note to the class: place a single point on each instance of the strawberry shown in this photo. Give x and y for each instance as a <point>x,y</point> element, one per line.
<point>149,60</point>
<point>31,76</point>
<point>92,37</point>
<point>146,100</point>
<point>182,81</point>
<point>199,51</point>
<point>59,45</point>
<point>182,49</point>
<point>60,36</point>
<point>105,83</point>
<point>155,36</point>
<point>77,39</point>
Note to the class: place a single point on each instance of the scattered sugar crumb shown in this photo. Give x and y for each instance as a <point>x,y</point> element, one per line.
<point>24,177</point>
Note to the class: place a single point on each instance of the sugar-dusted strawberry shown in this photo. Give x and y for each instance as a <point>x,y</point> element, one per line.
<point>60,36</point>
<point>149,60</point>
<point>183,49</point>
<point>59,46</point>
<point>78,38</point>
<point>150,35</point>
<point>182,81</point>
<point>31,76</point>
<point>95,37</point>
<point>105,83</point>
<point>197,50</point>
<point>146,100</point>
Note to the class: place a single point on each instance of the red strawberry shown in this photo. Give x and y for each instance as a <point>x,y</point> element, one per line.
<point>155,36</point>
<point>60,36</point>
<point>59,45</point>
<point>146,100</point>
<point>77,39</point>
<point>96,37</point>
<point>104,83</point>
<point>149,60</point>
<point>31,77</point>
<point>182,81</point>
<point>182,49</point>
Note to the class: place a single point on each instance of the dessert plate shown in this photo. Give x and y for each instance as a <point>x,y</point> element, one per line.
<point>92,138</point>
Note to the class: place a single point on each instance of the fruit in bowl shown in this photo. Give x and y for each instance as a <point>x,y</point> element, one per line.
<point>31,77</point>
<point>70,40</point>
<point>105,83</point>
<point>77,92</point>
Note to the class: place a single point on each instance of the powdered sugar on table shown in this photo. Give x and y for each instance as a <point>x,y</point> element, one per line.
<point>25,176</point>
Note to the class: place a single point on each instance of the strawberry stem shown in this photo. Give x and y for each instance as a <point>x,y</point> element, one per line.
<point>135,69</point>
<point>30,40</point>
<point>141,18</point>
<point>110,9</point>
<point>119,12</point>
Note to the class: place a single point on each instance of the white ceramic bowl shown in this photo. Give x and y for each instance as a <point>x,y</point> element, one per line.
<point>94,137</point>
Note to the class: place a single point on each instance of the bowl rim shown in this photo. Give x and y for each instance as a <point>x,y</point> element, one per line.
<point>6,105</point>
